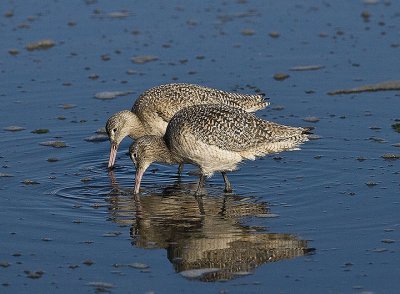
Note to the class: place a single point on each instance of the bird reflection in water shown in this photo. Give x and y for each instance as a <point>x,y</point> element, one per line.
<point>206,238</point>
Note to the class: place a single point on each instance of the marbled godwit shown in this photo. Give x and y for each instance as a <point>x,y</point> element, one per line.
<point>155,107</point>
<point>215,138</point>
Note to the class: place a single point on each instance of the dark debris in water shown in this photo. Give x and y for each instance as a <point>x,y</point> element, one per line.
<point>4,263</point>
<point>97,138</point>
<point>40,131</point>
<point>311,119</point>
<point>391,156</point>
<point>112,234</point>
<point>108,95</point>
<point>274,34</point>
<point>88,262</point>
<point>52,159</point>
<point>13,51</point>
<point>14,129</point>
<point>5,175</point>
<point>30,182</point>
<point>396,127</point>
<point>306,67</point>
<point>135,265</point>
<point>144,59</point>
<point>101,286</point>
<point>68,106</point>
<point>55,144</point>
<point>388,241</point>
<point>377,140</point>
<point>371,184</point>
<point>383,86</point>
<point>40,45</point>
<point>34,274</point>
<point>280,76</point>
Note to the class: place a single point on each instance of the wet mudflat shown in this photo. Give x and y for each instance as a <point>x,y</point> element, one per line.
<point>320,220</point>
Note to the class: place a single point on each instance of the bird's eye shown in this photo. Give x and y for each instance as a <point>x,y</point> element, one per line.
<point>133,156</point>
<point>114,130</point>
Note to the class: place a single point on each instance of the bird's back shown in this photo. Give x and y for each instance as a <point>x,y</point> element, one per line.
<point>231,129</point>
<point>159,104</point>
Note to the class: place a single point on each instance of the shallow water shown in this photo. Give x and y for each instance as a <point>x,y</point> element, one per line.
<point>320,220</point>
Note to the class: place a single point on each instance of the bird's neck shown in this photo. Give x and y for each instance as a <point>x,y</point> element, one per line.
<point>136,127</point>
<point>163,154</point>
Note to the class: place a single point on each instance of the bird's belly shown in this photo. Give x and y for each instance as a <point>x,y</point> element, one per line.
<point>209,158</point>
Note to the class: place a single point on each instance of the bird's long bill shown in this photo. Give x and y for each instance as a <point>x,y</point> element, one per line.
<point>113,155</point>
<point>138,180</point>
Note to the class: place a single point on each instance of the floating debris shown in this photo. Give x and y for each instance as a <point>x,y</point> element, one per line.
<point>112,234</point>
<point>396,127</point>
<point>119,14</point>
<point>13,51</point>
<point>68,106</point>
<point>138,265</point>
<point>100,286</point>
<point>267,215</point>
<point>4,263</point>
<point>248,32</point>
<point>314,137</point>
<point>379,250</point>
<point>378,140</point>
<point>370,1</point>
<point>391,156</point>
<point>40,45</point>
<point>30,182</point>
<point>198,273</point>
<point>280,76</point>
<point>4,175</point>
<point>371,184</point>
<point>278,107</point>
<point>311,119</point>
<point>40,131</point>
<point>274,35</point>
<point>107,95</point>
<point>34,274</point>
<point>144,59</point>
<point>306,67</point>
<point>88,262</point>
<point>9,13</point>
<point>384,86</point>
<point>97,138</point>
<point>52,159</point>
<point>365,15</point>
<point>388,241</point>
<point>55,144</point>
<point>14,129</point>
<point>101,130</point>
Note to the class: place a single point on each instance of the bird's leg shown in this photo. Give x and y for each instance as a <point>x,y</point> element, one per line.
<point>180,169</point>
<point>228,186</point>
<point>200,205</point>
<point>223,208</point>
<point>201,184</point>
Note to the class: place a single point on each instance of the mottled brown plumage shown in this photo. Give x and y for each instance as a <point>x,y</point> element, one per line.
<point>155,107</point>
<point>215,138</point>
